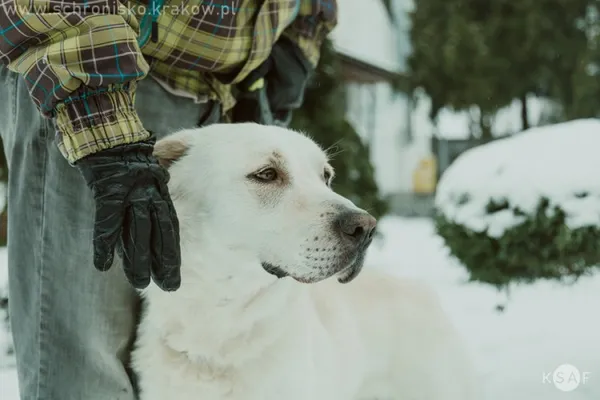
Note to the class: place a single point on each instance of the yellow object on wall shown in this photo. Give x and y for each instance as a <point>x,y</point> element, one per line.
<point>425,175</point>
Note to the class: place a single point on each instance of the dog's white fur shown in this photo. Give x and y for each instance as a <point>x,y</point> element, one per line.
<point>233,331</point>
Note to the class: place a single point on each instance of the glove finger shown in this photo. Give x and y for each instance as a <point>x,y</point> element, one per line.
<point>174,219</point>
<point>107,226</point>
<point>136,244</point>
<point>166,252</point>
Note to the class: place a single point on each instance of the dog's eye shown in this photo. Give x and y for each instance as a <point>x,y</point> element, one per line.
<point>266,175</point>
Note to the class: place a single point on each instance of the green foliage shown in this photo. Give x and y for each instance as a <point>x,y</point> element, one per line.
<point>451,57</point>
<point>567,47</point>
<point>541,247</point>
<point>487,53</point>
<point>323,117</point>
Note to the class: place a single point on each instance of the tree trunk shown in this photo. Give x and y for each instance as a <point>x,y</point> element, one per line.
<point>3,181</point>
<point>524,112</point>
<point>3,164</point>
<point>486,126</point>
<point>4,226</point>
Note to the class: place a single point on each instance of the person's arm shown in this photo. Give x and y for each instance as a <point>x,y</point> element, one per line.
<point>315,19</point>
<point>270,93</point>
<point>80,60</point>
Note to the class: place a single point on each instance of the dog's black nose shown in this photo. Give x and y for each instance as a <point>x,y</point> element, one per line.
<point>356,227</point>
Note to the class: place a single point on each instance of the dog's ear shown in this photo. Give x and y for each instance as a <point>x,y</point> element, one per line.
<point>169,150</point>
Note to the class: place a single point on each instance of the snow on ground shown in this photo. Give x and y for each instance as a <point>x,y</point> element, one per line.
<point>559,162</point>
<point>543,326</point>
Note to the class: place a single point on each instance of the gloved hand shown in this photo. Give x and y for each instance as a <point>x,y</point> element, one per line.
<point>270,93</point>
<point>135,211</point>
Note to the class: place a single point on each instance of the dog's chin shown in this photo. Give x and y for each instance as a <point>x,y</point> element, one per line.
<point>351,272</point>
<point>346,272</point>
<point>279,272</point>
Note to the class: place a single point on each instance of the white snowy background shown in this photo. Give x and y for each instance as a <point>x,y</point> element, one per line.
<point>545,324</point>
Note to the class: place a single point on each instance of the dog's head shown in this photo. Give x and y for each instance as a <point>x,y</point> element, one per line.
<point>264,194</point>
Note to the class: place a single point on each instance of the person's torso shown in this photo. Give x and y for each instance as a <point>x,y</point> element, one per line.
<point>228,38</point>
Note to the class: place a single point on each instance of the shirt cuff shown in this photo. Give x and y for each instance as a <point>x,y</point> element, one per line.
<point>96,120</point>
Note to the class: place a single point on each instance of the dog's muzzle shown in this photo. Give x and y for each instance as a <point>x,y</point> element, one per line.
<point>356,230</point>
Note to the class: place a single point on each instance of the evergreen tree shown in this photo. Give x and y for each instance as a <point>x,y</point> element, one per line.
<point>563,36</point>
<point>451,58</point>
<point>574,59</point>
<point>323,117</point>
<point>486,54</point>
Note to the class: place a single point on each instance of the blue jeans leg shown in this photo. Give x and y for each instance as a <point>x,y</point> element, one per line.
<point>72,325</point>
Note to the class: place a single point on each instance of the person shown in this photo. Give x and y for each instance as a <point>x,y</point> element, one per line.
<point>86,87</point>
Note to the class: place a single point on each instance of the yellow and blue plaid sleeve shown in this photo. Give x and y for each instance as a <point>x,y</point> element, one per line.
<point>315,19</point>
<point>80,60</point>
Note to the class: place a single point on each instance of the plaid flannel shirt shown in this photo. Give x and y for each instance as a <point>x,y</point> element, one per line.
<point>81,59</point>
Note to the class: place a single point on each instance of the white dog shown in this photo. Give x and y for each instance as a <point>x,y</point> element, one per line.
<point>272,305</point>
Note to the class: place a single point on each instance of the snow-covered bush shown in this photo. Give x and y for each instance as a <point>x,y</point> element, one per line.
<point>525,207</point>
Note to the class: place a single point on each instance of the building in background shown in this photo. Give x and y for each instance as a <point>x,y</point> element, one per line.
<point>405,144</point>
<point>374,50</point>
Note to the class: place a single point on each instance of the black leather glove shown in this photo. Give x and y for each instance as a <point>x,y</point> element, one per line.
<point>286,73</point>
<point>134,210</point>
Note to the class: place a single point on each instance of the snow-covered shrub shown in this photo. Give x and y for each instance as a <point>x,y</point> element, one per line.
<point>525,207</point>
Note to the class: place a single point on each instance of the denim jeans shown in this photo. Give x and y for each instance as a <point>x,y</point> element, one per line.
<point>72,325</point>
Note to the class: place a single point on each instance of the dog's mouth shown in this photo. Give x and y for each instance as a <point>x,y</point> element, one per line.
<point>346,274</point>
<point>274,270</point>
<point>280,273</point>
